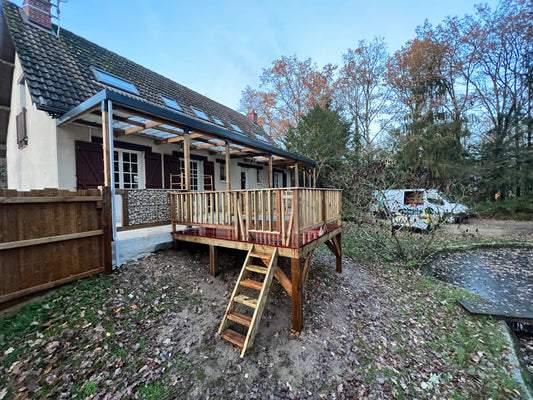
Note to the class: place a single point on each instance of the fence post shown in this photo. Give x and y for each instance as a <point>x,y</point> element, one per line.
<point>107,226</point>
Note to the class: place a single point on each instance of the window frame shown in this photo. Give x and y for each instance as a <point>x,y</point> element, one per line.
<point>114,81</point>
<point>141,184</point>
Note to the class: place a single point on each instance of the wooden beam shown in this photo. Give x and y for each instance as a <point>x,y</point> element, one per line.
<point>178,139</point>
<point>283,280</point>
<point>49,239</point>
<point>296,175</point>
<point>148,125</point>
<point>228,170</point>
<point>270,173</point>
<point>297,295</point>
<point>187,160</point>
<point>314,177</point>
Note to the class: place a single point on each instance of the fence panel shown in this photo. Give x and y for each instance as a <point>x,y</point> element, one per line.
<point>50,237</point>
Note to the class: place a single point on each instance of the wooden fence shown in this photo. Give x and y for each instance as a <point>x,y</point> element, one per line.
<point>50,237</point>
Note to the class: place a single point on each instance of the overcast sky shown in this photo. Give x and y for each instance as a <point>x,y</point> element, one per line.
<point>218,47</point>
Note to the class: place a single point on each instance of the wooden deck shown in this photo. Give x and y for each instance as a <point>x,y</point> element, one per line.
<point>294,220</point>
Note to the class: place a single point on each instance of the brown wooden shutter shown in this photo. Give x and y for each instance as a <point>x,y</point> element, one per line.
<point>89,165</point>
<point>152,164</point>
<point>172,166</point>
<point>22,133</point>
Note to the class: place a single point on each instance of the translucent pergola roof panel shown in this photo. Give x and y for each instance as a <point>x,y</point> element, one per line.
<point>112,80</point>
<point>200,114</point>
<point>140,119</point>
<point>171,103</point>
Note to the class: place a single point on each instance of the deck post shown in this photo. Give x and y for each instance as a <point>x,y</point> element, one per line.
<point>270,172</point>
<point>314,177</point>
<point>213,260</point>
<point>338,243</point>
<point>297,295</point>
<point>228,181</point>
<point>295,218</point>
<point>296,175</point>
<point>187,159</point>
<point>107,226</point>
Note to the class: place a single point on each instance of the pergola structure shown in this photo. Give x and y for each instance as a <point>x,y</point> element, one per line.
<point>130,116</point>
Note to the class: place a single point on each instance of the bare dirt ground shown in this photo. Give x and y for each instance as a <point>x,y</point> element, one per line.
<point>490,228</point>
<point>149,331</point>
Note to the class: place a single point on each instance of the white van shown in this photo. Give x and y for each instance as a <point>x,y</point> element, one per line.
<point>389,202</point>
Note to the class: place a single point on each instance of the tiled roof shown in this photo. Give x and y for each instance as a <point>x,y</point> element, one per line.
<point>58,72</point>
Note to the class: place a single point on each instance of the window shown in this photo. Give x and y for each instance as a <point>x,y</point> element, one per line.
<point>22,129</point>
<point>200,113</point>
<point>258,176</point>
<point>128,166</point>
<point>196,182</point>
<point>218,121</point>
<point>223,172</point>
<point>235,127</point>
<point>115,81</point>
<point>171,103</point>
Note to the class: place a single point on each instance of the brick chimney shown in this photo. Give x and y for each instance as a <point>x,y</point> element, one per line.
<point>253,116</point>
<point>39,12</point>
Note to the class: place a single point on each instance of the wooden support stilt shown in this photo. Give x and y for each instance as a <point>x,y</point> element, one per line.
<point>297,295</point>
<point>338,241</point>
<point>213,260</point>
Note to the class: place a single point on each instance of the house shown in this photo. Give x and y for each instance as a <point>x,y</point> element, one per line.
<point>75,116</point>
<point>53,88</point>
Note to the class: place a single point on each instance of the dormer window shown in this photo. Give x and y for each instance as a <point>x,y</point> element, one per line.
<point>236,128</point>
<point>200,114</point>
<point>112,80</point>
<point>171,103</point>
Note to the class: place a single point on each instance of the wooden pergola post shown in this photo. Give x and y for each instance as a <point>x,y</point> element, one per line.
<point>106,137</point>
<point>270,172</point>
<point>296,175</point>
<point>314,177</point>
<point>228,182</point>
<point>187,159</point>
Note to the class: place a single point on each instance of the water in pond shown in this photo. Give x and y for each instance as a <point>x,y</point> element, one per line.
<point>503,276</point>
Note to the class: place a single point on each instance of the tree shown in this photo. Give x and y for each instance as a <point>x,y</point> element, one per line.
<point>287,91</point>
<point>427,140</point>
<point>502,79</point>
<point>361,90</point>
<point>322,135</point>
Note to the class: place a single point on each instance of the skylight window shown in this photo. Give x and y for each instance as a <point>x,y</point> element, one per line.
<point>218,121</point>
<point>235,127</point>
<point>200,113</point>
<point>115,81</point>
<point>171,103</point>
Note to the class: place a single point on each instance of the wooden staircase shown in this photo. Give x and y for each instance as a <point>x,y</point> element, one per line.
<point>260,266</point>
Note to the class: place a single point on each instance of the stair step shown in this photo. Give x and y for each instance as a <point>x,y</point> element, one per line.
<point>257,254</point>
<point>234,337</point>
<point>257,268</point>
<point>247,301</point>
<point>240,318</point>
<point>252,284</point>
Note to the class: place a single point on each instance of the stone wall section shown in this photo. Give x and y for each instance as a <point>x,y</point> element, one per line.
<point>146,206</point>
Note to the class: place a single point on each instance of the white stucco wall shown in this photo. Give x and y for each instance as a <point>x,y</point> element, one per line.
<point>34,166</point>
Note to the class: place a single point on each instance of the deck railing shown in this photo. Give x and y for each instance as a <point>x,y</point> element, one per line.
<point>283,216</point>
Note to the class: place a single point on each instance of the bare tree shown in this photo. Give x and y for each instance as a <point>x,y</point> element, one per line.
<point>362,93</point>
<point>287,91</point>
